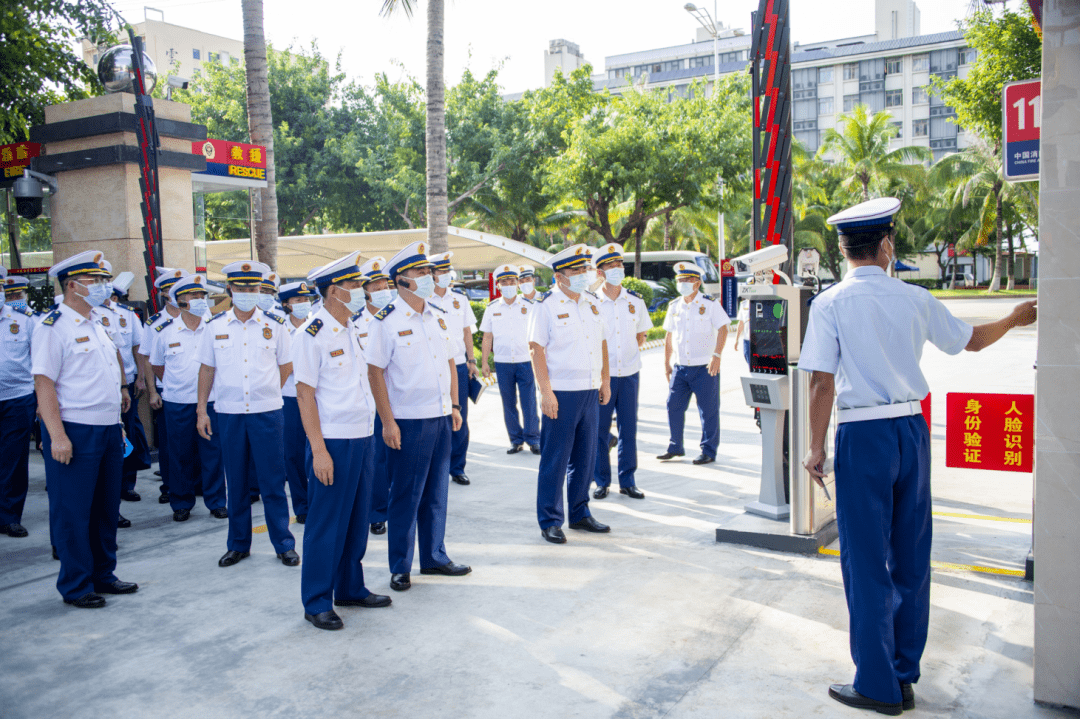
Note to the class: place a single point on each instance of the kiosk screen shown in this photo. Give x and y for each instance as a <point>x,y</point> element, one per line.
<point>768,336</point>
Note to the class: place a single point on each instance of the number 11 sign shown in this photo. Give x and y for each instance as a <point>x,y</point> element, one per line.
<point>1021,106</point>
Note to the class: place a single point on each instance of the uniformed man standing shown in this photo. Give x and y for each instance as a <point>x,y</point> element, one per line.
<point>697,328</point>
<point>79,380</point>
<point>17,402</point>
<point>338,413</point>
<point>246,358</point>
<point>296,299</point>
<point>175,359</point>
<point>376,284</point>
<point>527,283</point>
<point>462,323</point>
<point>863,344</point>
<point>626,318</point>
<point>413,375</point>
<point>569,352</point>
<point>506,330</point>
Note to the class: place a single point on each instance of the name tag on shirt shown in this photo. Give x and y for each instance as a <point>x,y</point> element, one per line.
<point>498,314</point>
<point>363,335</point>
<point>337,353</point>
<point>221,337</point>
<point>80,340</point>
<point>562,317</point>
<point>174,344</point>
<point>404,333</point>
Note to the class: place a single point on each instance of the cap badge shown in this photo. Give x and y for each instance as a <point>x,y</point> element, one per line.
<point>98,257</point>
<point>303,286</point>
<point>178,274</point>
<point>579,251</point>
<point>375,265</point>
<point>420,248</point>
<point>245,267</point>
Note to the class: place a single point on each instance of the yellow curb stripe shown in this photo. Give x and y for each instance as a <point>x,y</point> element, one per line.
<point>948,565</point>
<point>1018,520</point>
<point>261,529</point>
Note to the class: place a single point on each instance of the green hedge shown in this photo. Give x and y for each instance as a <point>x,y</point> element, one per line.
<point>643,289</point>
<point>658,317</point>
<point>928,284</point>
<point>656,333</point>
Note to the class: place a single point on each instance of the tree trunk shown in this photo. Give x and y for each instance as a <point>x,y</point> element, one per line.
<point>638,233</point>
<point>261,127</point>
<point>995,280</point>
<point>436,131</point>
<point>1011,266</point>
<point>667,231</point>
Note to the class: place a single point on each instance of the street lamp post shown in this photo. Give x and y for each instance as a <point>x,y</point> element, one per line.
<point>709,22</point>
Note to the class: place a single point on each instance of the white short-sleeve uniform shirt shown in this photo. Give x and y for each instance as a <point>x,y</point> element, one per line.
<point>459,315</point>
<point>508,323</point>
<point>572,335</point>
<point>289,388</point>
<point>176,348</point>
<point>16,336</point>
<point>624,317</point>
<point>869,331</point>
<point>415,350</point>
<point>693,326</point>
<point>246,356</point>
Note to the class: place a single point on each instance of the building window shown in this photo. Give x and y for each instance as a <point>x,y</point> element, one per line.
<point>824,74</point>
<point>920,63</point>
<point>731,56</point>
<point>850,101</point>
<point>195,54</point>
<point>211,57</point>
<point>851,71</point>
<point>825,106</point>
<point>968,55</point>
<point>894,66</point>
<point>899,129</point>
<point>672,65</point>
<point>702,61</point>
<point>920,128</point>
<point>919,96</point>
<point>894,98</point>
<point>618,72</point>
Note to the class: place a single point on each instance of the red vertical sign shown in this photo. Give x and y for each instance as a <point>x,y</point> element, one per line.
<point>990,431</point>
<point>1021,108</point>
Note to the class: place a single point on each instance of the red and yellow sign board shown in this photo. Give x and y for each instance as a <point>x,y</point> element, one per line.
<point>232,159</point>
<point>15,157</point>
<point>990,431</point>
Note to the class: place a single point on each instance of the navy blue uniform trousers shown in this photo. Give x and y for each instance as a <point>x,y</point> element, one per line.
<point>380,477</point>
<point>16,425</point>
<point>419,482</point>
<point>84,505</point>
<point>296,444</point>
<point>883,514</point>
<point>140,448</point>
<point>624,404</point>
<point>697,381</point>
<point>193,459</point>
<point>254,443</point>
<point>336,533</point>
<point>567,455</point>
<point>161,440</point>
<point>459,441</point>
<point>517,378</point>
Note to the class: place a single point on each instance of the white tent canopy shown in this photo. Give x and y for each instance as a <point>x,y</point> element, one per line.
<point>298,255</point>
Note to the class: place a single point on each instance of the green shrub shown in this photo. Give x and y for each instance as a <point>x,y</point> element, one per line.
<point>658,317</point>
<point>639,286</point>
<point>928,284</point>
<point>656,333</point>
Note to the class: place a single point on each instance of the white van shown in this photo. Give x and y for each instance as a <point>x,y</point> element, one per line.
<point>656,266</point>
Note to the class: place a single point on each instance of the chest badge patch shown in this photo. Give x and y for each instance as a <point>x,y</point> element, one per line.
<point>80,340</point>
<point>105,321</point>
<point>337,353</point>
<point>594,310</point>
<point>701,310</point>
<point>524,311</point>
<point>442,325</point>
<point>267,333</point>
<point>14,328</point>
<point>123,322</point>
<point>457,305</point>
<point>632,310</point>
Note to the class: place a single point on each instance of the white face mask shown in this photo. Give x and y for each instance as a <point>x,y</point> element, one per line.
<point>591,275</point>
<point>614,276</point>
<point>381,298</point>
<point>356,299</point>
<point>443,281</point>
<point>508,291</point>
<point>245,301</point>
<point>266,302</point>
<point>685,288</point>
<point>199,308</point>
<point>526,288</point>
<point>301,310</point>
<point>577,283</point>
<point>425,286</point>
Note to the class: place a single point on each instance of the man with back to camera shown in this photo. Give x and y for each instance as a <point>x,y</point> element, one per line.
<point>506,330</point>
<point>245,359</point>
<point>697,328</point>
<point>297,301</point>
<point>79,380</point>
<point>18,403</point>
<point>863,342</point>
<point>627,320</point>
<point>413,376</point>
<point>569,352</point>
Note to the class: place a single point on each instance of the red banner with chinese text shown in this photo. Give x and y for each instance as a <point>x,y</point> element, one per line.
<point>990,431</point>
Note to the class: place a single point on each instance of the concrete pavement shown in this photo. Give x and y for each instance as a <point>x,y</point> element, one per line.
<point>654,620</point>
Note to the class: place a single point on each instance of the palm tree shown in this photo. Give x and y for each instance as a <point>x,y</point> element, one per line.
<point>437,210</point>
<point>261,128</point>
<point>862,147</point>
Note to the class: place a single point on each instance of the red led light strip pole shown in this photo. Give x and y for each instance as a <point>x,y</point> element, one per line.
<point>148,181</point>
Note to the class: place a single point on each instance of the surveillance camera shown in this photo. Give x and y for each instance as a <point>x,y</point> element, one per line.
<point>180,83</point>
<point>767,258</point>
<point>30,193</point>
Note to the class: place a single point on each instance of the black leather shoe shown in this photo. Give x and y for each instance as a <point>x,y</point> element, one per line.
<point>378,527</point>
<point>87,601</point>
<point>325,620</point>
<point>600,493</point>
<point>157,473</point>
<point>163,498</point>
<point>255,499</point>
<point>130,495</point>
<point>289,558</point>
<point>515,449</point>
<point>632,492</point>
<point>301,519</point>
<point>449,569</point>
<point>14,530</point>
<point>612,442</point>
<point>460,478</point>
<point>669,455</point>
<point>371,601</point>
<point>400,582</point>
<point>230,558</point>
<point>534,448</point>
<point>704,459</point>
<point>553,534</point>
<point>219,513</point>
<point>589,524</point>
<point>181,515</point>
<point>846,694</point>
<point>908,693</point>
<point>123,522</point>
<point>116,587</point>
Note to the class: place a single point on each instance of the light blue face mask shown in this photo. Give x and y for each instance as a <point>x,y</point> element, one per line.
<point>356,299</point>
<point>614,276</point>
<point>245,301</point>
<point>98,294</point>
<point>425,286</point>
<point>199,308</point>
<point>381,298</point>
<point>266,302</point>
<point>300,310</point>
<point>578,283</point>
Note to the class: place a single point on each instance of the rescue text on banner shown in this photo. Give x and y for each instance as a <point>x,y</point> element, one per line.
<point>990,431</point>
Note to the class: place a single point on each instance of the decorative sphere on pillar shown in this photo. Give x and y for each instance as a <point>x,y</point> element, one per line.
<point>116,71</point>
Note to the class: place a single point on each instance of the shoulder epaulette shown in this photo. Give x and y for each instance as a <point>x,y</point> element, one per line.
<point>357,316</point>
<point>544,296</point>
<point>528,300</point>
<point>440,309</point>
<point>164,324</point>
<point>384,312</point>
<point>213,317</point>
<point>52,318</point>
<point>53,307</point>
<point>126,306</point>
<point>23,310</point>
<point>635,294</point>
<point>314,326</point>
<point>710,298</point>
<point>459,291</point>
<point>591,293</point>
<point>153,318</point>
<point>274,316</point>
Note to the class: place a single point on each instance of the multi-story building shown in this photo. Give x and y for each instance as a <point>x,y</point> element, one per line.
<point>889,70</point>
